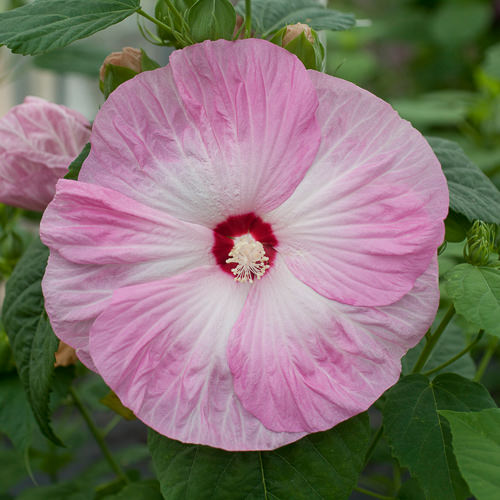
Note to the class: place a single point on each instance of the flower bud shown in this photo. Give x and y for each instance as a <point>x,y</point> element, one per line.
<point>301,40</point>
<point>65,355</point>
<point>128,57</point>
<point>38,140</point>
<point>295,30</point>
<point>480,243</point>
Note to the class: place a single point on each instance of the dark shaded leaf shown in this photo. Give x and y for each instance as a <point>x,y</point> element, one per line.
<point>31,337</point>
<point>420,440</point>
<point>325,465</point>
<point>472,194</point>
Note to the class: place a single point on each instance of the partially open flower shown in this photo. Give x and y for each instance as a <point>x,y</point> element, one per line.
<point>38,140</point>
<point>128,57</point>
<point>250,247</point>
<point>295,30</point>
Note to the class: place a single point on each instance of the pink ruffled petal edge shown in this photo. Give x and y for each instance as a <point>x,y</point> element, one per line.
<point>303,363</point>
<point>367,219</point>
<point>226,128</point>
<point>161,347</point>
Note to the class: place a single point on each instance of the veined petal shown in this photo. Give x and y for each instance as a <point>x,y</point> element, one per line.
<point>101,240</point>
<point>304,363</point>
<point>161,347</point>
<point>226,128</point>
<point>89,224</point>
<point>368,217</point>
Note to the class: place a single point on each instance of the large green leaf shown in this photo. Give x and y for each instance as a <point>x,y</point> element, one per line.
<point>451,342</point>
<point>269,16</point>
<point>16,419</point>
<point>475,292</point>
<point>51,24</point>
<point>420,440</point>
<point>471,193</point>
<point>476,443</point>
<point>320,466</point>
<point>32,339</point>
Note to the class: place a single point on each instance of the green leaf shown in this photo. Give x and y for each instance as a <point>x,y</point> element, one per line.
<point>31,337</point>
<point>143,490</point>
<point>82,58</point>
<point>114,76</point>
<point>451,342</point>
<point>73,490</point>
<point>148,64</point>
<point>16,418</point>
<point>475,292</point>
<point>420,440</point>
<point>269,16</point>
<point>51,24</point>
<point>211,20</point>
<point>76,164</point>
<point>322,465</point>
<point>476,443</point>
<point>471,193</point>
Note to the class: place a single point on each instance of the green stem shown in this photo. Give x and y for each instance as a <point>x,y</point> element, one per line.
<point>163,26</point>
<point>464,351</point>
<point>373,444</point>
<point>372,493</point>
<point>248,18</point>
<point>97,436</point>
<point>432,340</point>
<point>486,359</point>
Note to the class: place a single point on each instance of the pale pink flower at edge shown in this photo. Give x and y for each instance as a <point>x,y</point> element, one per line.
<point>235,152</point>
<point>38,141</point>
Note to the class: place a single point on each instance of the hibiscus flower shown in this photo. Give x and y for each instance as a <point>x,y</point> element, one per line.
<point>38,140</point>
<point>250,247</point>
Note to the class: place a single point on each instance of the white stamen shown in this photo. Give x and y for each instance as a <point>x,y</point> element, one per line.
<point>251,258</point>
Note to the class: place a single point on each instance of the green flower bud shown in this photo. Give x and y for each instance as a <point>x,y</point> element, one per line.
<point>480,243</point>
<point>301,40</point>
<point>165,14</point>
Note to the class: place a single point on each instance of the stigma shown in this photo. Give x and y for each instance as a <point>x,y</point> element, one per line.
<point>250,257</point>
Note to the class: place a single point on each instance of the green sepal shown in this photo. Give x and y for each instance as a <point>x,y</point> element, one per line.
<point>312,55</point>
<point>148,64</point>
<point>76,164</point>
<point>112,401</point>
<point>211,20</point>
<point>114,76</point>
<point>164,13</point>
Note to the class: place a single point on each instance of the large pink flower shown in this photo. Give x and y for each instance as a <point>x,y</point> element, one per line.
<point>38,140</point>
<point>235,162</point>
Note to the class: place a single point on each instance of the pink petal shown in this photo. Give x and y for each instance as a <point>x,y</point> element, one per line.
<point>38,140</point>
<point>303,363</point>
<point>220,138</point>
<point>161,347</point>
<point>89,224</point>
<point>100,240</point>
<point>368,217</point>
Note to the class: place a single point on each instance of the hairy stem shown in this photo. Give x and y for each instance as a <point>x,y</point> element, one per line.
<point>433,339</point>
<point>486,359</point>
<point>98,436</point>
<point>464,351</point>
<point>248,18</point>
